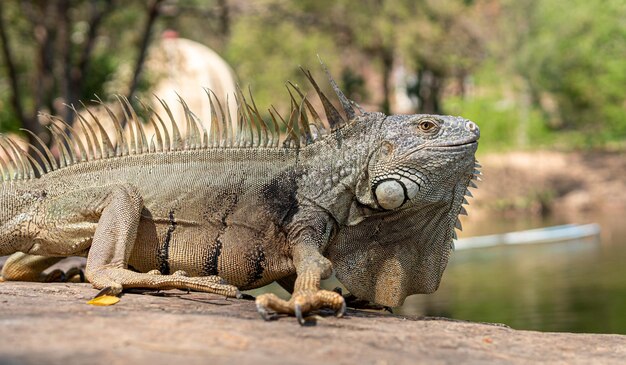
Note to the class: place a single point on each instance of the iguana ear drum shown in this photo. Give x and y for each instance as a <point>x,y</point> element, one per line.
<point>390,194</point>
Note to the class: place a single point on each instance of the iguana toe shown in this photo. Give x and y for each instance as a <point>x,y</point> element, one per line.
<point>180,273</point>
<point>74,274</point>
<point>109,290</point>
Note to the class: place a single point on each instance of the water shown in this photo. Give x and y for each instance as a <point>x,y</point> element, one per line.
<point>574,286</point>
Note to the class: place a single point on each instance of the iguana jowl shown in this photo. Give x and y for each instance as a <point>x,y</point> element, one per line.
<point>374,197</point>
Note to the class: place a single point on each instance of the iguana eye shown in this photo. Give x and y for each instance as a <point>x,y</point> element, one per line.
<point>426,125</point>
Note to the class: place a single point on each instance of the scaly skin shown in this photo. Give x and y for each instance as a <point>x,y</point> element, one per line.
<point>221,219</point>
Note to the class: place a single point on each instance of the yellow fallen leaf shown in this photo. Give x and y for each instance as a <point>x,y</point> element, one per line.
<point>104,300</point>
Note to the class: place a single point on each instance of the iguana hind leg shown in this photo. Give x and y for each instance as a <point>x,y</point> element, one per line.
<point>25,267</point>
<point>112,245</point>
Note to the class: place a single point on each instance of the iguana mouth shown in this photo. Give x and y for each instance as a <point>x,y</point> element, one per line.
<point>462,144</point>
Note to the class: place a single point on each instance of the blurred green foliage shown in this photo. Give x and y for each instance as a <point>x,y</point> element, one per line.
<point>573,59</point>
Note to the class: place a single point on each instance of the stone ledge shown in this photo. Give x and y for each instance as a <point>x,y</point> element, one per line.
<point>50,323</point>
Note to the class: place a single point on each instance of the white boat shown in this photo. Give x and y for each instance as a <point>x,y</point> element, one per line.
<point>560,233</point>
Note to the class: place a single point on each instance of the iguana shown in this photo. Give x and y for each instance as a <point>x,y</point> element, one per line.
<point>373,197</point>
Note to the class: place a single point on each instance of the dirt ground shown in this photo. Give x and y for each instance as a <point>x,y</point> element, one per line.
<point>51,324</point>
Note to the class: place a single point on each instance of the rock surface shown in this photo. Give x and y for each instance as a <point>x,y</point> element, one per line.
<point>50,323</point>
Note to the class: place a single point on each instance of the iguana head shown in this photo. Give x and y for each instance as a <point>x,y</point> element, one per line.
<point>419,159</point>
<point>399,234</point>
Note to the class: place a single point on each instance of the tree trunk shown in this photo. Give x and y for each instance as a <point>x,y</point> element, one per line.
<point>153,14</point>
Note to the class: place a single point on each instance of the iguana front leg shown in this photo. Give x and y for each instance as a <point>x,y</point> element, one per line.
<point>311,268</point>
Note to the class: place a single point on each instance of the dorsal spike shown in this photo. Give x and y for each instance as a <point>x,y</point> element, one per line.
<point>242,126</point>
<point>166,134</point>
<point>302,120</point>
<point>151,146</point>
<point>246,132</point>
<point>463,211</point>
<point>229,123</point>
<point>12,166</point>
<point>192,137</point>
<point>34,163</point>
<point>91,152</point>
<point>259,126</point>
<point>276,126</point>
<point>49,161</point>
<point>122,145</point>
<point>107,146</point>
<point>66,142</point>
<point>224,141</point>
<point>346,103</point>
<point>214,128</point>
<point>205,137</point>
<point>26,158</point>
<point>177,140</point>
<point>140,134</point>
<point>73,137</point>
<point>157,134</point>
<point>335,120</point>
<point>4,169</point>
<point>458,225</point>
<point>43,166</point>
<point>248,119</point>
<point>130,122</point>
<point>293,121</point>
<point>159,146</point>
<point>200,131</point>
<point>14,158</point>
<point>319,123</point>
<point>264,139</point>
<point>142,140</point>
<point>58,140</point>
<point>291,136</point>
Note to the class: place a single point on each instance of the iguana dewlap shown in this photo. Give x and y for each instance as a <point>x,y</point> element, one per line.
<point>373,197</point>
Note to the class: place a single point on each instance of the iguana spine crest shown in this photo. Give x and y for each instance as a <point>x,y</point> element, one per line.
<point>92,142</point>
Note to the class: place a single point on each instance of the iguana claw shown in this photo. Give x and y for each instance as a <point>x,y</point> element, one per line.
<point>107,291</point>
<point>341,311</point>
<point>298,312</point>
<point>265,314</point>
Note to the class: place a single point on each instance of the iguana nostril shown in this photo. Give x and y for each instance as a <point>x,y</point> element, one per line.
<point>471,126</point>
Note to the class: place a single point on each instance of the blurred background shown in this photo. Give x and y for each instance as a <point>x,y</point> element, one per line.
<point>544,80</point>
